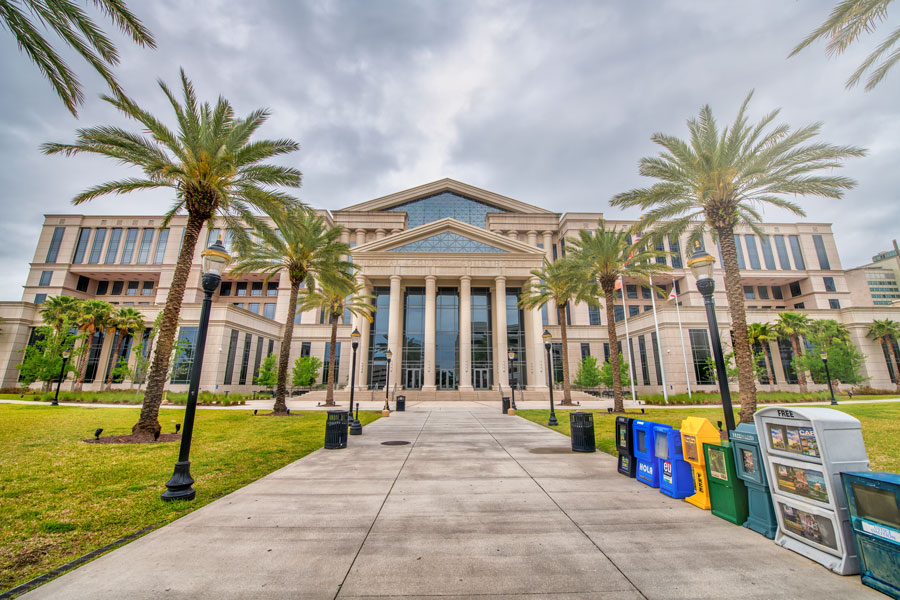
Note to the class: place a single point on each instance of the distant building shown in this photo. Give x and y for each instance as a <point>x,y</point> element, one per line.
<point>877,283</point>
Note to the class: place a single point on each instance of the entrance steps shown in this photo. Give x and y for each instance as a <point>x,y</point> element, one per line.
<point>342,397</point>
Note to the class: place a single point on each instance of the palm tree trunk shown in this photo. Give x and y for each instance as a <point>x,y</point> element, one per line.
<point>329,395</point>
<point>890,343</point>
<point>734,290</point>
<point>285,356</point>
<point>567,386</point>
<point>618,401</point>
<point>115,362</point>
<point>798,352</point>
<point>159,368</point>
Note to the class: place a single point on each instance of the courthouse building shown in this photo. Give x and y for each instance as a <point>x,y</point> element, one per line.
<point>446,263</point>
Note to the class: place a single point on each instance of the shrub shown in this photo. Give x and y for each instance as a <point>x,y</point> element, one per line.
<point>306,370</point>
<point>588,374</point>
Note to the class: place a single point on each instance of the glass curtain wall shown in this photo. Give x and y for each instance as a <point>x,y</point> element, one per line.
<point>482,340</point>
<point>378,338</point>
<point>515,337</point>
<point>446,352</point>
<point>413,338</point>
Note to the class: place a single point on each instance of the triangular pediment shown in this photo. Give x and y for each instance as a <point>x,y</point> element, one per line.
<point>448,236</point>
<point>501,203</point>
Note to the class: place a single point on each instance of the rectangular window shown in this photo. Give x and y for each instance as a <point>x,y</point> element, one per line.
<point>829,284</point>
<point>117,288</point>
<point>556,357</point>
<point>795,250</point>
<point>55,242</point>
<point>776,292</point>
<point>642,350</point>
<point>83,283</point>
<point>112,250</point>
<point>834,303</point>
<point>147,288</point>
<point>749,292</point>
<point>212,237</point>
<point>820,253</point>
<point>97,247</point>
<point>545,317</point>
<point>39,298</point>
<point>94,357</point>
<point>306,348</point>
<point>253,307</point>
<point>146,243</point>
<point>631,290</point>
<point>740,252</point>
<point>795,289</point>
<point>229,360</point>
<point>661,247</point>
<point>245,360</point>
<point>256,288</point>
<point>763,292</point>
<point>241,288</point>
<point>46,276</point>
<point>634,310</point>
<point>767,252</point>
<point>568,316</point>
<point>128,249</point>
<point>675,248</point>
<point>160,253</point>
<point>184,355</point>
<point>786,352</point>
<point>645,293</point>
<point>800,305</point>
<point>585,350</point>
<point>269,310</point>
<point>752,251</point>
<point>337,361</point>
<point>84,235</point>
<point>132,289</point>
<point>271,347</point>
<point>594,314</point>
<point>655,344</point>
<point>259,347</point>
<point>102,286</point>
<point>225,288</point>
<point>618,312</point>
<point>648,307</point>
<point>239,304</point>
<point>782,253</point>
<point>703,371</point>
<point>272,289</point>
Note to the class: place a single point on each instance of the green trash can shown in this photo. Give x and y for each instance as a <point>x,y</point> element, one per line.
<point>727,492</point>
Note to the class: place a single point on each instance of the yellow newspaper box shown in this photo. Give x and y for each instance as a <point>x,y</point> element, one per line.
<point>694,433</point>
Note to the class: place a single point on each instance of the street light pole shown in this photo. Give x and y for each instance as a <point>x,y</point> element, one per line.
<point>215,260</point>
<point>701,264</point>
<point>355,426</point>
<point>512,386</point>
<point>62,375</point>
<point>386,411</point>
<point>547,337</point>
<point>824,357</point>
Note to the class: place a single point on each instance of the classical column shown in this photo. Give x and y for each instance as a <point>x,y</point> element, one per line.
<point>345,236</point>
<point>379,234</point>
<point>500,359</point>
<point>360,237</point>
<point>465,333</point>
<point>362,353</point>
<point>513,234</point>
<point>395,231</point>
<point>532,238</point>
<point>395,330</point>
<point>428,381</point>
<point>548,244</point>
<point>537,356</point>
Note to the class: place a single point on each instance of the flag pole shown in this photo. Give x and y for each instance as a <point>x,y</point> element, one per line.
<point>687,376</point>
<point>662,370</point>
<point>627,340</point>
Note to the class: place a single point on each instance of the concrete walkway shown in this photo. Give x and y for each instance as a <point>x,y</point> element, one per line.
<point>477,505</point>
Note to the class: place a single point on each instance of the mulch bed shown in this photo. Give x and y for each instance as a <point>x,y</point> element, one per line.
<point>134,439</point>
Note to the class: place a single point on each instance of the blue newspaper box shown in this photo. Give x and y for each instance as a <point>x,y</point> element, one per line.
<point>675,477</point>
<point>873,498</point>
<point>644,455</point>
<point>748,462</point>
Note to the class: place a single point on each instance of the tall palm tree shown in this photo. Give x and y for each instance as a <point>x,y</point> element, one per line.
<point>335,294</point>
<point>306,249</point>
<point>93,317</point>
<point>57,311</point>
<point>792,326</point>
<point>127,321</point>
<point>26,19</point>
<point>719,179</point>
<point>846,23</point>
<point>213,168</point>
<point>759,335</point>
<point>564,283</point>
<point>887,332</point>
<point>604,256</point>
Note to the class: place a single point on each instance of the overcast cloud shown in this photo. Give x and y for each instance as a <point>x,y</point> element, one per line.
<point>551,103</point>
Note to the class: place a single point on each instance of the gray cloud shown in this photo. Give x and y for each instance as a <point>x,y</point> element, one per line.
<point>550,103</point>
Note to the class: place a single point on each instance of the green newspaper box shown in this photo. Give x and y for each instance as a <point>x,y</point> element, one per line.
<point>727,492</point>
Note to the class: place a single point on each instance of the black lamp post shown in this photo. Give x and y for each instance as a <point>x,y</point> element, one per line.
<point>824,357</point>
<point>701,264</point>
<point>62,375</point>
<point>355,426</point>
<point>387,384</point>
<point>547,337</point>
<point>215,260</point>
<point>512,381</point>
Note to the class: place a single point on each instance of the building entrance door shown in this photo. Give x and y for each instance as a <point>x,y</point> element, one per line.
<point>481,379</point>
<point>413,378</point>
<point>446,380</point>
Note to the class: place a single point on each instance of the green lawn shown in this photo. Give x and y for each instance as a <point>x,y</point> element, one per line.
<point>61,498</point>
<point>880,427</point>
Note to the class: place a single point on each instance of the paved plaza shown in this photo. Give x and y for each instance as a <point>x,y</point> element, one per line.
<point>478,504</point>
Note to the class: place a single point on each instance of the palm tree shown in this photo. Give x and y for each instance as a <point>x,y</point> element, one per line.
<point>887,332</point>
<point>604,256</point>
<point>335,294</point>
<point>846,23</point>
<point>759,335</point>
<point>93,316</point>
<point>212,166</point>
<point>305,248</point>
<point>79,32</point>
<point>564,283</point>
<point>718,180</point>
<point>58,311</point>
<point>127,321</point>
<point>792,326</point>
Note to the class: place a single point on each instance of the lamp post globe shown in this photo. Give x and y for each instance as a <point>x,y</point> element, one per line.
<point>62,375</point>
<point>701,265</point>
<point>552,422</point>
<point>512,381</point>
<point>355,426</point>
<point>824,357</point>
<point>387,384</point>
<point>215,260</point>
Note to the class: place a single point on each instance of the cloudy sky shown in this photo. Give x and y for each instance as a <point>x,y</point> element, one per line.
<point>550,103</point>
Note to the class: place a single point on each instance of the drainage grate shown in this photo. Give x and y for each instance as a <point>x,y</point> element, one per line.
<point>394,443</point>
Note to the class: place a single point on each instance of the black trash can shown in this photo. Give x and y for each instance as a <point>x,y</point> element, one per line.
<point>401,403</point>
<point>336,429</point>
<point>581,424</point>
<point>505,404</point>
